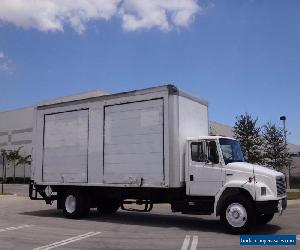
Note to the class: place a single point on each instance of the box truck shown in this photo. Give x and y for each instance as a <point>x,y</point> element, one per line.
<point>147,147</point>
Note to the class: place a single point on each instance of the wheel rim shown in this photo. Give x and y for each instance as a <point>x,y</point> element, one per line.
<point>70,204</point>
<point>236,215</point>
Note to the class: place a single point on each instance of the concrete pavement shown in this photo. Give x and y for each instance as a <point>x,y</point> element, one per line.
<point>18,189</point>
<point>26,224</point>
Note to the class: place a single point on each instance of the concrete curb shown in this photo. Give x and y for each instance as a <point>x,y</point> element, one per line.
<point>7,196</point>
<point>293,202</point>
<point>293,190</point>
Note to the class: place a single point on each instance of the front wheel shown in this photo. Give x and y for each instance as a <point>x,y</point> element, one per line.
<point>263,219</point>
<point>237,214</point>
<point>75,204</point>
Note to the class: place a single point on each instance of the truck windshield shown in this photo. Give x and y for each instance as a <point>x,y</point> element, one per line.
<point>231,150</point>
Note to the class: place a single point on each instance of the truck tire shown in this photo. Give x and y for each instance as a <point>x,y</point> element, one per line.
<point>237,214</point>
<point>263,219</point>
<point>75,204</point>
<point>108,207</point>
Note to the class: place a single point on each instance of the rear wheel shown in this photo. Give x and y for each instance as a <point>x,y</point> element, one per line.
<point>75,204</point>
<point>238,214</point>
<point>263,219</point>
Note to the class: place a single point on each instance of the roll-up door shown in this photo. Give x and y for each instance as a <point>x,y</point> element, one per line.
<point>66,147</point>
<point>133,143</point>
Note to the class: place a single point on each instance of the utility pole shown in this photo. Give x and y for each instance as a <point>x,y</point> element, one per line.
<point>283,119</point>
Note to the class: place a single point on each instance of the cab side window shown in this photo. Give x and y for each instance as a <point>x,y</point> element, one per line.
<point>213,152</point>
<point>204,151</point>
<point>197,152</point>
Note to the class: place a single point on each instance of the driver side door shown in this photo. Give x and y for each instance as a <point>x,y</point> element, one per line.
<point>205,173</point>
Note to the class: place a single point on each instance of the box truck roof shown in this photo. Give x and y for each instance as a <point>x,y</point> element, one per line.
<point>99,95</point>
<point>198,138</point>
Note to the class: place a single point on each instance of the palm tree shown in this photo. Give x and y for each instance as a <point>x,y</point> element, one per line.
<point>13,158</point>
<point>3,154</point>
<point>23,161</point>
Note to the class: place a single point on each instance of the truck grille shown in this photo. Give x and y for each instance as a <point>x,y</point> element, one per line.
<point>280,184</point>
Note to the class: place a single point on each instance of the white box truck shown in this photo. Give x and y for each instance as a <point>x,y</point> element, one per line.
<point>146,147</point>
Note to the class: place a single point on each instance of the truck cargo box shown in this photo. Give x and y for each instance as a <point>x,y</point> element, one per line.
<point>128,139</point>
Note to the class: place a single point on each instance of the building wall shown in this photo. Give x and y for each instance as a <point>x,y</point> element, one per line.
<point>295,171</point>
<point>16,131</point>
<point>220,129</point>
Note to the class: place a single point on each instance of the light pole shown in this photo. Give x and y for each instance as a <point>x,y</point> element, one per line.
<point>283,119</point>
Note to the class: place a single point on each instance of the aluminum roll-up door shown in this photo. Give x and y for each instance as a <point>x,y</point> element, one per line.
<point>66,147</point>
<point>133,143</point>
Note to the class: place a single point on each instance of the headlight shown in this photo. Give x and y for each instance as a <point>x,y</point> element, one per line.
<point>263,191</point>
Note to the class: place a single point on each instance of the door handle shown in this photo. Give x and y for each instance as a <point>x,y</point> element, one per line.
<point>229,174</point>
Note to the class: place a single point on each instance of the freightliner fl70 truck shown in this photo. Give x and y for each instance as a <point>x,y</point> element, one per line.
<point>146,147</point>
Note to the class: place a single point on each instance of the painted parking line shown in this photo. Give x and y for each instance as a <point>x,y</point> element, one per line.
<point>194,243</point>
<point>67,241</point>
<point>186,243</point>
<point>14,228</point>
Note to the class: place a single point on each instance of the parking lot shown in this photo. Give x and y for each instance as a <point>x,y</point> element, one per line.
<point>26,224</point>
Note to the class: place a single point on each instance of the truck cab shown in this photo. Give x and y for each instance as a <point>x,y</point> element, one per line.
<point>240,193</point>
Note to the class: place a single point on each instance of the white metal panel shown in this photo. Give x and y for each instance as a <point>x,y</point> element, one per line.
<point>95,156</point>
<point>173,132</point>
<point>133,143</point>
<point>65,147</point>
<point>193,121</point>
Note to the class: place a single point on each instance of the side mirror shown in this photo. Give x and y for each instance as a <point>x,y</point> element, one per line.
<point>203,157</point>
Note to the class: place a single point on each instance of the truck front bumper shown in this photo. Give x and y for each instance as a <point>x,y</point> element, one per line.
<point>269,207</point>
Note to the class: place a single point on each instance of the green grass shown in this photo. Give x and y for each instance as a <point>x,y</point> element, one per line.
<point>293,195</point>
<point>5,193</point>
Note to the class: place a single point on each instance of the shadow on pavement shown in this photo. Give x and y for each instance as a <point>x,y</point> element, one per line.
<point>156,220</point>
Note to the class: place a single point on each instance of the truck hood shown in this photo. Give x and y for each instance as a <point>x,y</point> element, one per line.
<point>258,170</point>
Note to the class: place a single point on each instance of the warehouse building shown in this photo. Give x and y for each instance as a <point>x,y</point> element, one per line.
<point>16,128</point>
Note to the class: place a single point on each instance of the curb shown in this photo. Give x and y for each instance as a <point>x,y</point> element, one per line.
<point>293,202</point>
<point>7,195</point>
<point>293,190</point>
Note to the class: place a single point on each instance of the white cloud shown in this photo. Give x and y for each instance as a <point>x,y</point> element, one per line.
<point>53,15</point>
<point>164,14</point>
<point>6,64</point>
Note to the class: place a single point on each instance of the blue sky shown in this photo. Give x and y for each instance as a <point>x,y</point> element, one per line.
<point>240,55</point>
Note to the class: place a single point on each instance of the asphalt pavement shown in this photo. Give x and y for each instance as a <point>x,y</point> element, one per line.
<point>18,189</point>
<point>26,224</point>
